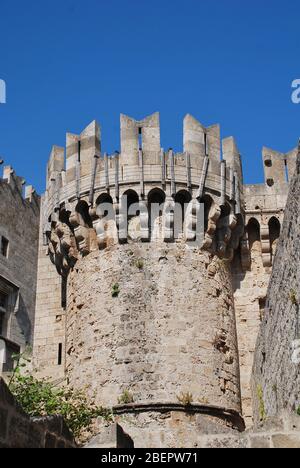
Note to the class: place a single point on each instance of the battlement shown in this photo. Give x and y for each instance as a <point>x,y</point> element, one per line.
<point>86,169</point>
<point>206,179</point>
<point>197,181</point>
<point>18,184</point>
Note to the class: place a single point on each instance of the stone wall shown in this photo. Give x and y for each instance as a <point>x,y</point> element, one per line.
<point>49,330</point>
<point>17,430</point>
<point>250,288</point>
<point>276,378</point>
<point>170,330</point>
<point>19,224</point>
<point>180,430</point>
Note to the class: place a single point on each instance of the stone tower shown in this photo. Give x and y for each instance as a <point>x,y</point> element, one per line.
<point>149,252</point>
<point>149,310</point>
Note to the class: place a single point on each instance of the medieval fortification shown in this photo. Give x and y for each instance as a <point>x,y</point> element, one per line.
<point>121,292</point>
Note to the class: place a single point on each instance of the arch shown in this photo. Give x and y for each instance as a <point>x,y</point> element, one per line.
<point>64,216</point>
<point>156,199</point>
<point>274,233</point>
<point>253,230</point>
<point>225,210</point>
<point>208,204</point>
<point>182,199</point>
<point>129,225</point>
<point>104,206</point>
<point>130,198</point>
<point>82,208</point>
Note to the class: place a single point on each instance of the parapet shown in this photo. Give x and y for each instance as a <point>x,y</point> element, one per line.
<point>142,161</point>
<point>199,142</point>
<point>140,135</point>
<point>18,184</point>
<point>279,167</point>
<point>143,172</point>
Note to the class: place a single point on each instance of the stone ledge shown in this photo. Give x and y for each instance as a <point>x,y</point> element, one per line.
<point>226,414</point>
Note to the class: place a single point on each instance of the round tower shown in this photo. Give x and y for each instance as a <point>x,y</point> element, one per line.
<point>143,240</point>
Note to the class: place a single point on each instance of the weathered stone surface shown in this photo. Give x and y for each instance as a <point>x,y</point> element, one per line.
<point>148,340</point>
<point>131,306</point>
<point>286,441</point>
<point>19,226</point>
<point>17,430</point>
<point>276,379</point>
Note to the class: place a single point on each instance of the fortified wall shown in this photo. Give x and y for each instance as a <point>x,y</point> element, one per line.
<point>19,228</point>
<point>276,377</point>
<point>144,309</point>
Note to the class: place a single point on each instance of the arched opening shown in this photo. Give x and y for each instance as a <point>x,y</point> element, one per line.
<point>82,208</point>
<point>253,230</point>
<point>274,233</point>
<point>104,207</point>
<point>156,200</point>
<point>105,225</point>
<point>225,210</point>
<point>208,203</point>
<point>64,217</point>
<point>130,204</point>
<point>131,210</point>
<point>182,199</point>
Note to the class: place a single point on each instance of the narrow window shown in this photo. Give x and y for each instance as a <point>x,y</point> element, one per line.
<point>262,305</point>
<point>79,151</point>
<point>205,144</point>
<point>64,293</point>
<point>4,247</point>
<point>3,305</point>
<point>59,356</point>
<point>286,171</point>
<point>268,162</point>
<point>140,138</point>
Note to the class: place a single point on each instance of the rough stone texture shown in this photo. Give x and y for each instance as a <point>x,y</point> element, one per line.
<point>276,379</point>
<point>17,430</point>
<point>164,334</point>
<point>50,318</point>
<point>250,288</point>
<point>179,430</point>
<point>76,232</point>
<point>19,224</point>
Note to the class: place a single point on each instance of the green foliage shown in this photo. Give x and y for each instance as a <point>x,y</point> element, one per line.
<point>139,263</point>
<point>41,398</point>
<point>298,411</point>
<point>115,291</point>
<point>262,411</point>
<point>185,399</point>
<point>125,398</point>
<point>293,297</point>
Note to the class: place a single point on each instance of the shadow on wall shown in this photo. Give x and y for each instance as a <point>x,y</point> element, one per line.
<point>24,320</point>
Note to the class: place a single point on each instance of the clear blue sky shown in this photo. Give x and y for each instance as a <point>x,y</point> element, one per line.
<point>68,62</point>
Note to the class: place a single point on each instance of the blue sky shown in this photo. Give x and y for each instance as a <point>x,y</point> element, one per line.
<point>69,62</point>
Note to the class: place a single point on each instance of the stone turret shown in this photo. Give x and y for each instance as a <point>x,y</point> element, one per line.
<point>142,241</point>
<point>150,249</point>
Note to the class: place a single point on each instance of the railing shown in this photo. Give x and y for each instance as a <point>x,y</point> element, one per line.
<point>7,350</point>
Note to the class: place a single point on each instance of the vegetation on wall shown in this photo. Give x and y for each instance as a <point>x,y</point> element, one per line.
<point>40,398</point>
<point>185,399</point>
<point>126,398</point>
<point>262,410</point>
